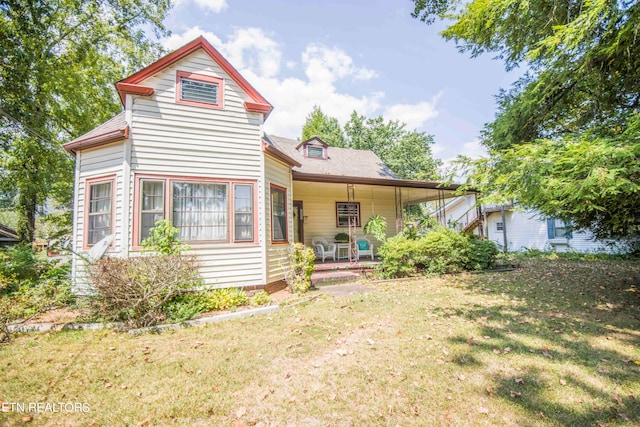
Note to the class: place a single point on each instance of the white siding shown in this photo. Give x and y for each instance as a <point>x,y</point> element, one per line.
<point>175,139</point>
<point>319,203</point>
<point>96,163</point>
<point>279,174</point>
<point>528,230</point>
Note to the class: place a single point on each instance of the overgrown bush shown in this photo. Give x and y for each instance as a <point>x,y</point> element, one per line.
<point>301,265</point>
<point>438,251</point>
<point>137,290</point>
<point>134,290</point>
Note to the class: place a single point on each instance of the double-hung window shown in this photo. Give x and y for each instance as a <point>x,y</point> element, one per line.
<point>279,229</point>
<point>559,229</point>
<point>347,212</point>
<point>202,210</point>
<point>99,212</point>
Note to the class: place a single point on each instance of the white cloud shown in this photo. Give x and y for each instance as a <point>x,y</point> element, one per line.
<point>325,64</point>
<point>474,149</point>
<point>414,115</point>
<point>259,59</point>
<point>215,6</point>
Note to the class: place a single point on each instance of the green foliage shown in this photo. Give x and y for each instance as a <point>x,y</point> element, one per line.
<point>324,127</point>
<point>482,254</point>
<point>224,299</point>
<point>60,60</point>
<point>438,251</point>
<point>185,306</point>
<point>300,267</point>
<point>260,298</point>
<point>407,153</point>
<point>19,265</point>
<point>341,237</point>
<point>29,285</point>
<point>163,239</point>
<point>566,139</point>
<point>377,227</point>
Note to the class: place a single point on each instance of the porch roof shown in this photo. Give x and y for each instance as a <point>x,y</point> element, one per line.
<point>363,167</point>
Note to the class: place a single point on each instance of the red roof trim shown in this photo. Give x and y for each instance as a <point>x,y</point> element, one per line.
<point>189,48</point>
<point>315,138</point>
<point>94,141</point>
<point>255,107</point>
<point>134,89</point>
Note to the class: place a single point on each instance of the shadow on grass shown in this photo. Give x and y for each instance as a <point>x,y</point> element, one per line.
<point>567,343</point>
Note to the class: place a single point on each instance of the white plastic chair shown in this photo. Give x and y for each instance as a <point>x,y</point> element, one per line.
<point>323,248</point>
<point>364,247</point>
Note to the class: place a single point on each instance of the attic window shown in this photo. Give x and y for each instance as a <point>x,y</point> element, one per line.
<point>315,152</point>
<point>200,90</point>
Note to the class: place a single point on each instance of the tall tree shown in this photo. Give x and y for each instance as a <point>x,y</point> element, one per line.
<point>407,153</point>
<point>58,61</point>
<point>566,138</point>
<point>324,127</point>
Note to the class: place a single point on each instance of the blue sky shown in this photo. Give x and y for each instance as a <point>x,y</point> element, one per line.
<point>365,55</point>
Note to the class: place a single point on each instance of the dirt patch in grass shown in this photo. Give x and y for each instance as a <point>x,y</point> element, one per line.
<point>553,343</point>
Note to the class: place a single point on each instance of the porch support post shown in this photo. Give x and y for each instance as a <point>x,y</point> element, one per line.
<point>399,209</point>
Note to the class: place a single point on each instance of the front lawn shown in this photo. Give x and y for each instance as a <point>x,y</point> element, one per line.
<point>555,342</point>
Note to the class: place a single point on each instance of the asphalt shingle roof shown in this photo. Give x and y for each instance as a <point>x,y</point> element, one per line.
<point>339,162</point>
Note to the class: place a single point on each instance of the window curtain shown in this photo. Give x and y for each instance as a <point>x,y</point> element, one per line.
<point>200,211</point>
<point>152,206</point>
<point>243,208</point>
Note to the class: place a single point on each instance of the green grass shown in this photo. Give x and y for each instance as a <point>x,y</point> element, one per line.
<point>552,343</point>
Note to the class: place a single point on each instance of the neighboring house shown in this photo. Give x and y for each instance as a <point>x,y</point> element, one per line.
<point>519,229</point>
<point>8,236</point>
<point>190,147</point>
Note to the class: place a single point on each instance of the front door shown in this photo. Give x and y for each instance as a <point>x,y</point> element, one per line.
<point>298,221</point>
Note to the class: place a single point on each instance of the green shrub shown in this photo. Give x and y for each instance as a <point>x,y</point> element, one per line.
<point>260,298</point>
<point>185,306</point>
<point>163,239</point>
<point>19,265</point>
<point>29,285</point>
<point>224,299</point>
<point>297,273</point>
<point>438,251</point>
<point>397,254</point>
<point>482,254</point>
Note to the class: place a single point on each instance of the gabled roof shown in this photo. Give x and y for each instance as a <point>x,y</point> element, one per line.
<point>131,84</point>
<point>116,129</point>
<point>315,140</point>
<point>340,161</point>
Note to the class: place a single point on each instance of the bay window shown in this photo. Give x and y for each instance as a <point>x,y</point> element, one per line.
<point>203,210</point>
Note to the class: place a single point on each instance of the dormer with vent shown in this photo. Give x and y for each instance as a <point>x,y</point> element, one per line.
<point>314,148</point>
